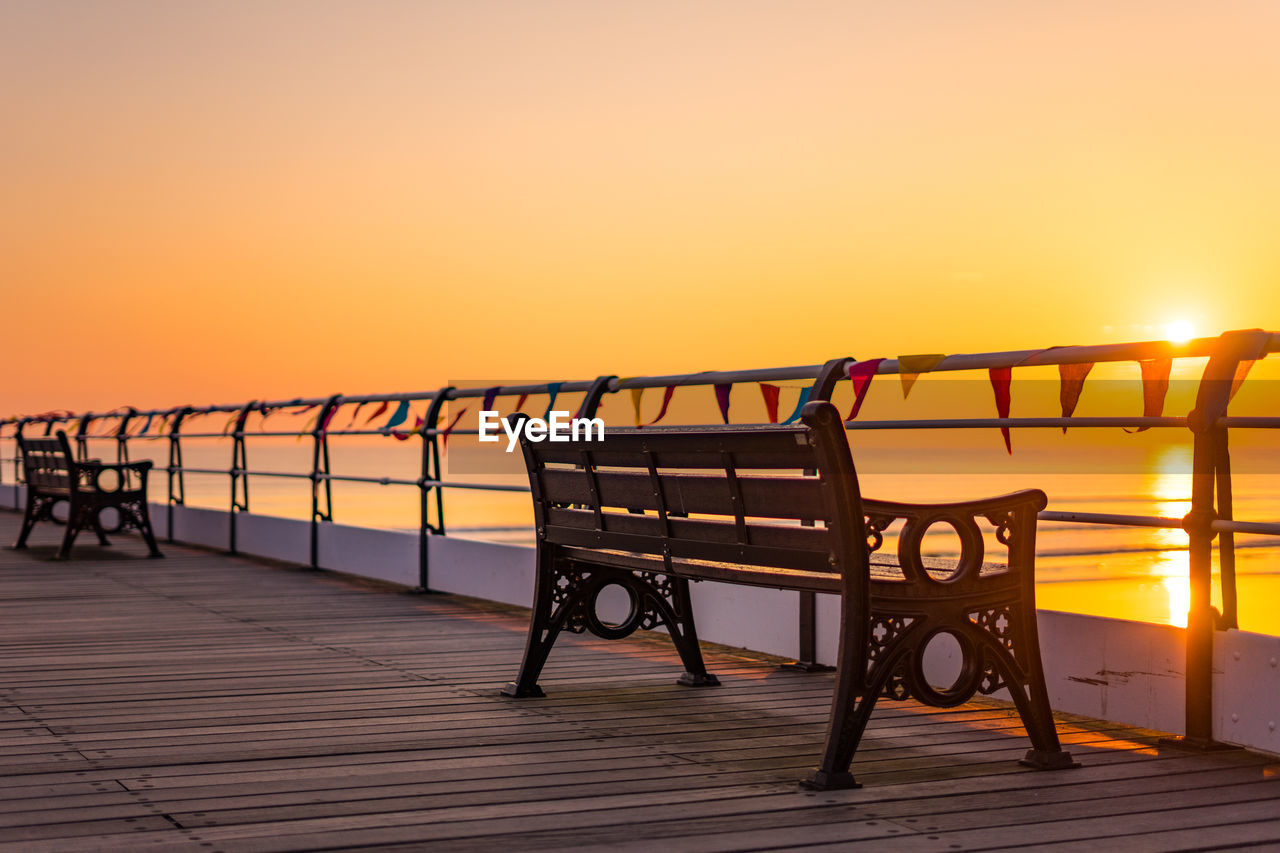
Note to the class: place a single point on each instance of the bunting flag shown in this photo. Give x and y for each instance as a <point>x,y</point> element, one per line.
<point>324,427</point>
<point>637,394</point>
<point>226,430</point>
<point>489,396</point>
<point>553,391</point>
<point>520,402</point>
<point>1155,385</point>
<point>302,410</point>
<point>722,398</point>
<point>667,394</point>
<point>404,436</point>
<point>1000,380</point>
<point>354,415</point>
<point>911,366</point>
<point>311,423</point>
<point>804,398</point>
<point>398,416</point>
<point>770,394</point>
<point>860,375</point>
<point>1072,378</point>
<point>450,427</point>
<point>1242,370</point>
<point>381,408</point>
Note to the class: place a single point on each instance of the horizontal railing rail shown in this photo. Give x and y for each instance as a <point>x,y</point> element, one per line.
<point>1211,514</point>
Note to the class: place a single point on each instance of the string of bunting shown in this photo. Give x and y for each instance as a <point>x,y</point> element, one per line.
<point>1155,384</point>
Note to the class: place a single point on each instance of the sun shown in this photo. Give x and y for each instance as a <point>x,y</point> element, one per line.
<point>1179,331</point>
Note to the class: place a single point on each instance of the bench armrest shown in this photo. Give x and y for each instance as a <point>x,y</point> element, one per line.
<point>1011,517</point>
<point>132,476</point>
<point>1010,502</point>
<point>99,465</point>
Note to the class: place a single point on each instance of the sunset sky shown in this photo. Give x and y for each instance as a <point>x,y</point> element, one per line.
<point>211,202</point>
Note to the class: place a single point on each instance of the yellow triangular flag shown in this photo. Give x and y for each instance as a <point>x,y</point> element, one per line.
<point>636,394</point>
<point>911,366</point>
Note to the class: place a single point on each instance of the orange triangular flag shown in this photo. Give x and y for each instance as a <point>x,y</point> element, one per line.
<point>911,366</point>
<point>1155,385</point>
<point>1072,376</point>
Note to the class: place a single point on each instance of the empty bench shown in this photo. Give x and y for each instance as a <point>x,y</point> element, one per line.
<point>88,487</point>
<point>650,510</point>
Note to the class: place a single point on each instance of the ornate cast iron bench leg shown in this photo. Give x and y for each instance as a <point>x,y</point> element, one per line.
<point>851,706</point>
<point>565,600</point>
<point>39,508</point>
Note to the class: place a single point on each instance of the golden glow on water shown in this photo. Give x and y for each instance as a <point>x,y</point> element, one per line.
<point>1173,569</point>
<point>1172,487</point>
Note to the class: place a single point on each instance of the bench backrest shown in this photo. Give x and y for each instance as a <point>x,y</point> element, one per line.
<point>738,495</point>
<point>47,462</point>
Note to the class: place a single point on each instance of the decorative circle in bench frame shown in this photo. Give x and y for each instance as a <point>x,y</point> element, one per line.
<point>108,480</point>
<point>972,549</point>
<point>967,681</point>
<point>612,630</point>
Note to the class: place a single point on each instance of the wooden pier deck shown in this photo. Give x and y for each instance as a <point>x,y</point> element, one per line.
<point>208,703</point>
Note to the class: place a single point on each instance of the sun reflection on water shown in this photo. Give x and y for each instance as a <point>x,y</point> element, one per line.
<point>1171,486</point>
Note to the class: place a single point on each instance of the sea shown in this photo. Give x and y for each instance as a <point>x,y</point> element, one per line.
<point>1120,572</point>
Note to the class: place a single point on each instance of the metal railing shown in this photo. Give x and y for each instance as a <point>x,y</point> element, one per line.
<point>1211,514</point>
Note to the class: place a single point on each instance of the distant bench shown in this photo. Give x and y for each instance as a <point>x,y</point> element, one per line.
<point>53,475</point>
<point>649,510</point>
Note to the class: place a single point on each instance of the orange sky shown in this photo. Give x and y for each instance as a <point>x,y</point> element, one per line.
<point>221,201</point>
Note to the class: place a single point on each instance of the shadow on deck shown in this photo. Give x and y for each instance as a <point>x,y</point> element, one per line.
<point>209,703</point>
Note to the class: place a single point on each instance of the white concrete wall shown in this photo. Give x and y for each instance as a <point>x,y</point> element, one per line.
<point>1129,672</point>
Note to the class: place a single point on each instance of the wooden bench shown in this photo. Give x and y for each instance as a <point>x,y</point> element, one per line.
<point>53,475</point>
<point>650,510</point>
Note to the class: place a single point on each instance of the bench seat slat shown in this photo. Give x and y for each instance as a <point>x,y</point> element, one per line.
<point>795,579</point>
<point>770,545</point>
<point>762,497</point>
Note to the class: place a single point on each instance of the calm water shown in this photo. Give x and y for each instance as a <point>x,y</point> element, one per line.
<point>1135,573</point>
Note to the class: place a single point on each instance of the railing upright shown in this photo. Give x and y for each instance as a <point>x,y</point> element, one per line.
<point>178,496</point>
<point>320,475</point>
<point>600,386</point>
<point>1226,539</point>
<point>82,435</point>
<point>1208,450</point>
<point>239,474</point>
<point>17,459</point>
<point>430,477</point>
<point>122,436</point>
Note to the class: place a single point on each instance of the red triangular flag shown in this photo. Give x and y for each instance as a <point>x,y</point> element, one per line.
<point>666,401</point>
<point>860,375</point>
<point>450,427</point>
<point>770,394</point>
<point>1000,379</point>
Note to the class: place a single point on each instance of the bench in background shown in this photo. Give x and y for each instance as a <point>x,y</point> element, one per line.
<point>53,475</point>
